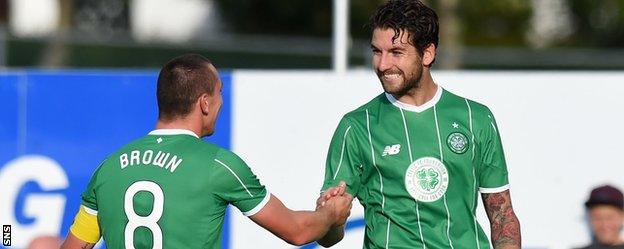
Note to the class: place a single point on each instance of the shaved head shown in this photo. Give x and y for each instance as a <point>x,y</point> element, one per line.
<point>181,82</point>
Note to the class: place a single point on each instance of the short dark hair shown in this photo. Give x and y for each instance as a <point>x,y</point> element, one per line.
<point>180,83</point>
<point>420,21</point>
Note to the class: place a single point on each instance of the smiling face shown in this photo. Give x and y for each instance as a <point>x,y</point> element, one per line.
<point>396,62</point>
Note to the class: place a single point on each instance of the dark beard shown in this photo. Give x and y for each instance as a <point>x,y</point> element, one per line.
<point>406,88</point>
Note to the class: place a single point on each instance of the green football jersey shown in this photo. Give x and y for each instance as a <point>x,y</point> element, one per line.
<point>170,189</point>
<point>418,170</point>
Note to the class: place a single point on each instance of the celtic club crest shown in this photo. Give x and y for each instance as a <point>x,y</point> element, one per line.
<point>426,179</point>
<point>457,142</point>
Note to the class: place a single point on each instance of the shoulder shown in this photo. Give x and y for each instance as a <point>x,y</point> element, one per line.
<point>226,154</point>
<point>360,115</point>
<point>207,149</point>
<point>228,170</point>
<point>479,111</point>
<point>228,159</point>
<point>451,98</point>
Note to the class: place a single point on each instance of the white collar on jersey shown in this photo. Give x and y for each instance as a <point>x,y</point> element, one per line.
<point>414,108</point>
<point>173,132</point>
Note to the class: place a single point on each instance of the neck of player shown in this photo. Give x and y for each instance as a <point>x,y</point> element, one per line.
<point>181,123</point>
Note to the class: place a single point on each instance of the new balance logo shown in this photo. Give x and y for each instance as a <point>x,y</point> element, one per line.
<point>391,150</point>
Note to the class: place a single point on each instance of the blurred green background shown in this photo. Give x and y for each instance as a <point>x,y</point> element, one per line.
<point>475,34</point>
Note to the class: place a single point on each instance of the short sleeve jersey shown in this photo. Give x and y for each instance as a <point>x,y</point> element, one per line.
<point>170,189</point>
<point>418,170</point>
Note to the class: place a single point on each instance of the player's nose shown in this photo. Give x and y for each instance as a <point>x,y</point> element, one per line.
<point>385,62</point>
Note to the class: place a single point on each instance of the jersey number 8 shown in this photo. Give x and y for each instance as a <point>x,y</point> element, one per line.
<point>150,222</point>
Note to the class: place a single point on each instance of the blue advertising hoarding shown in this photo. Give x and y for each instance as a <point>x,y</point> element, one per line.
<point>55,129</point>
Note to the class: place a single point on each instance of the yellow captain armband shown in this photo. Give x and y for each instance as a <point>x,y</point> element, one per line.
<point>86,225</point>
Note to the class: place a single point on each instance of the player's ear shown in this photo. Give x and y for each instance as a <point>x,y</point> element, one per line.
<point>204,103</point>
<point>429,55</point>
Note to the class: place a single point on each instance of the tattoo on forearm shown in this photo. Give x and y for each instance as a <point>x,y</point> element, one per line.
<point>87,246</point>
<point>504,223</point>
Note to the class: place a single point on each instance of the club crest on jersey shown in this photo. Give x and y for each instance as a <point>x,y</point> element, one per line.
<point>457,142</point>
<point>426,179</point>
<point>391,150</point>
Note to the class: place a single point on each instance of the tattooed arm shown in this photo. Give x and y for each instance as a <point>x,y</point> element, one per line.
<point>503,221</point>
<point>73,242</point>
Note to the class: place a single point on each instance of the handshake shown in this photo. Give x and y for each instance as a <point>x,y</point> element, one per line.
<point>336,203</point>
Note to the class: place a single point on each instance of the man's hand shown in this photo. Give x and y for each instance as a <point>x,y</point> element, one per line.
<point>329,193</point>
<point>337,202</point>
<point>339,208</point>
